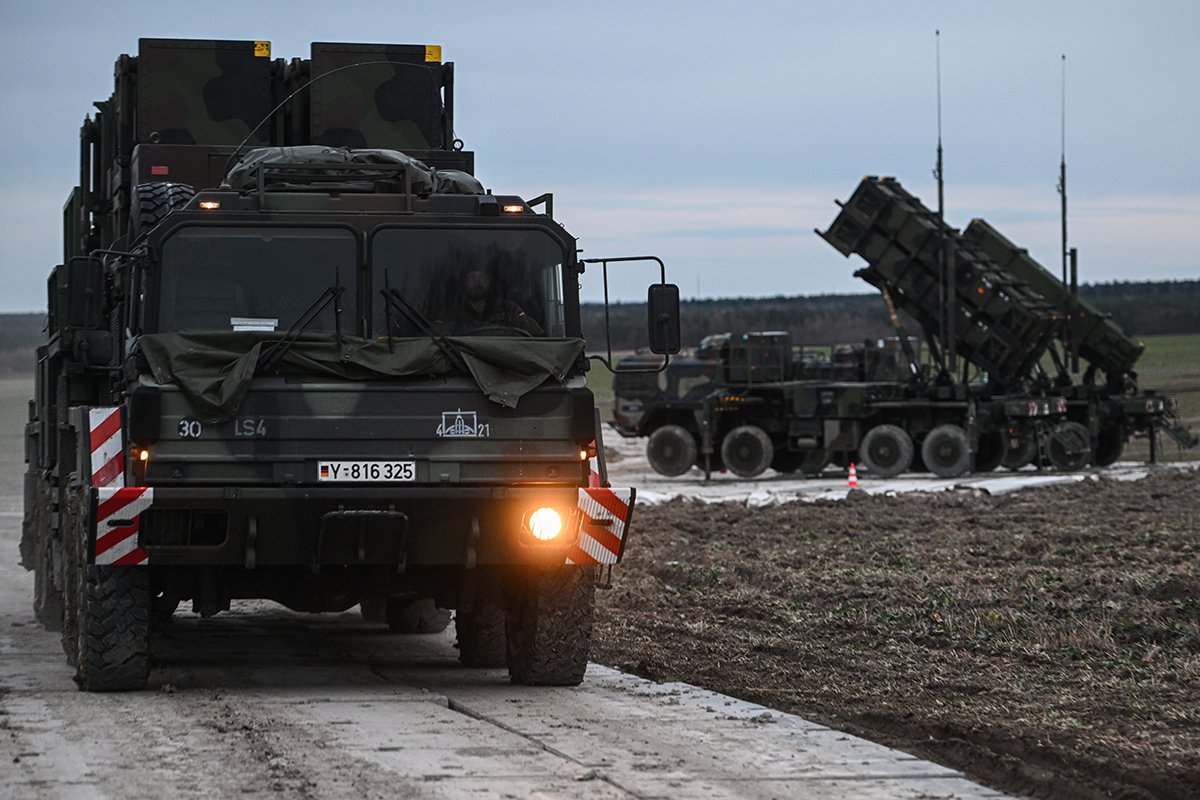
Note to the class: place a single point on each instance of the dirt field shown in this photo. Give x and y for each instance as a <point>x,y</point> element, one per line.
<point>1046,642</point>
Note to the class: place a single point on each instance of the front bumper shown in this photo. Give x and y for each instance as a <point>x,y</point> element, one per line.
<point>402,526</point>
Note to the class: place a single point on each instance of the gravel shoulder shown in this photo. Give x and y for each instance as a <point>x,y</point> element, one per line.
<point>1045,642</point>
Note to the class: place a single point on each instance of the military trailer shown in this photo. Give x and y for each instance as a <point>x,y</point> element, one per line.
<point>296,351</point>
<point>1002,312</point>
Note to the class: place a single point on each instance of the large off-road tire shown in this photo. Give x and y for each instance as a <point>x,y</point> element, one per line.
<point>946,451</point>
<point>671,450</point>
<point>481,634</point>
<point>991,450</point>
<point>746,451</point>
<point>1020,452</point>
<point>550,627</point>
<point>114,628</point>
<point>1070,447</point>
<point>153,201</point>
<point>1109,446</point>
<point>886,451</point>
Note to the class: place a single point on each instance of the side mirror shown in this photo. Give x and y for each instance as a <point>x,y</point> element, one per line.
<point>662,311</point>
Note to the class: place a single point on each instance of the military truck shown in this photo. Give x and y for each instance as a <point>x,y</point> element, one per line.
<point>755,401</point>
<point>296,351</point>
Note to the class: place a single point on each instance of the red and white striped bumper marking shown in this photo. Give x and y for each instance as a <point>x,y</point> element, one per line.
<point>107,447</point>
<point>117,512</point>
<point>605,518</point>
<point>117,507</point>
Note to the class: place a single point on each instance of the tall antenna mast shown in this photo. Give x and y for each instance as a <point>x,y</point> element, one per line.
<point>1062,170</point>
<point>944,260</point>
<point>1070,277</point>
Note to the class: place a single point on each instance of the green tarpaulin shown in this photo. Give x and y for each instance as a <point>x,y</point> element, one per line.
<point>215,369</point>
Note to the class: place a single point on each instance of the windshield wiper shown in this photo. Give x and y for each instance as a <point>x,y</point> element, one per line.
<point>271,357</point>
<point>393,299</point>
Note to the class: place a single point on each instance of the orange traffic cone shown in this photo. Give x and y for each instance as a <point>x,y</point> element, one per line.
<point>852,481</point>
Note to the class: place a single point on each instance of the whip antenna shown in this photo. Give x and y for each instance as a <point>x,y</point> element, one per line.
<point>944,259</point>
<point>1062,169</point>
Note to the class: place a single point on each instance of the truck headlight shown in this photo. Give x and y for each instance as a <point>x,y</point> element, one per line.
<point>544,524</point>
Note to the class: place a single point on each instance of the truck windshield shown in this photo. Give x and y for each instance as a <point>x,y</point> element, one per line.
<point>470,282</point>
<point>253,278</point>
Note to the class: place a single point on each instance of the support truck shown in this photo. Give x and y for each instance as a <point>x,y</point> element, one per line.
<point>296,351</point>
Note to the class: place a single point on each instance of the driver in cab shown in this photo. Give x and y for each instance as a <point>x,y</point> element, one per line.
<point>480,308</point>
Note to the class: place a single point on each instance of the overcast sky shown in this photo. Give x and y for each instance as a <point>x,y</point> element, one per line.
<point>716,136</point>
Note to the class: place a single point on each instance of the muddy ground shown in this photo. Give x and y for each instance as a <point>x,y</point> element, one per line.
<point>1046,642</point>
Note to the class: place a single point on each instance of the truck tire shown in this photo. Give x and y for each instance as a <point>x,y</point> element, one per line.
<point>550,628</point>
<point>886,451</point>
<point>747,451</point>
<point>481,634</point>
<point>671,450</point>
<point>1110,446</point>
<point>946,451</point>
<point>114,629</point>
<point>1070,447</point>
<point>991,451</point>
<point>153,201</point>
<point>1020,452</point>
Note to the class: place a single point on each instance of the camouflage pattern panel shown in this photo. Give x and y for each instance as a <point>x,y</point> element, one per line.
<point>393,100</point>
<point>1101,341</point>
<point>203,91</point>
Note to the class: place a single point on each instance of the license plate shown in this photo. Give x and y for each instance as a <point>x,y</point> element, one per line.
<point>366,471</point>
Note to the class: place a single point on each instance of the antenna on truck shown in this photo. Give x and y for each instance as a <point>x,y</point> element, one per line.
<point>1069,254</point>
<point>945,260</point>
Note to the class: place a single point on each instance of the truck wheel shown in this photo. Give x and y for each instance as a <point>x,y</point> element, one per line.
<point>671,450</point>
<point>153,201</point>
<point>886,451</point>
<point>946,451</point>
<point>550,628</point>
<point>113,617</point>
<point>1070,447</point>
<point>747,451</point>
<point>480,630</point>
<point>1110,446</point>
<point>992,447</point>
<point>1020,452</point>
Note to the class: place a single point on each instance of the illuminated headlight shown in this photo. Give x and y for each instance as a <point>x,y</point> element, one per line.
<point>545,524</point>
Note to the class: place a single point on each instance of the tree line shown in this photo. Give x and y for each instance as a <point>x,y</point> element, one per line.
<point>1142,308</point>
